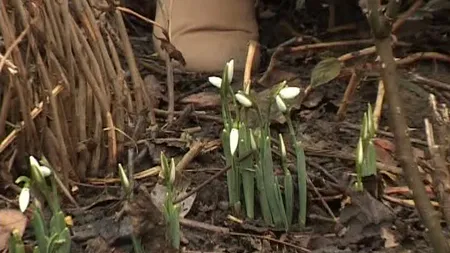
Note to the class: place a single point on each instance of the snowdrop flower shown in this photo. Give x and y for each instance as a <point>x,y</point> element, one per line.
<point>289,92</point>
<point>252,141</point>
<point>24,199</point>
<point>243,99</point>
<point>124,178</point>
<point>230,69</point>
<point>234,140</point>
<point>172,171</point>
<point>34,162</point>
<point>365,127</point>
<point>44,170</point>
<point>359,152</point>
<point>282,146</point>
<point>280,103</point>
<point>216,81</point>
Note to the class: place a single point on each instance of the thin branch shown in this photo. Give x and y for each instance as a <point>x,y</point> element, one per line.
<point>381,23</point>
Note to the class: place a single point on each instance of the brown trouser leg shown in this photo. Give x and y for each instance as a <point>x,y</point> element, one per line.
<point>210,32</point>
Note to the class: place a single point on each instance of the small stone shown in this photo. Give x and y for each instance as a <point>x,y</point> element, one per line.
<point>223,205</point>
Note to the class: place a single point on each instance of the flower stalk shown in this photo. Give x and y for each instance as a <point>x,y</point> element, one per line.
<point>365,162</point>
<point>171,210</point>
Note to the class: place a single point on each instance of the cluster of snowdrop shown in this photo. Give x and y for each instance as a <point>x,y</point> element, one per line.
<point>36,167</point>
<point>285,93</point>
<point>53,236</point>
<point>239,139</point>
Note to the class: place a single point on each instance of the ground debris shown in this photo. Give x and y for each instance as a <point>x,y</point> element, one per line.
<point>364,218</point>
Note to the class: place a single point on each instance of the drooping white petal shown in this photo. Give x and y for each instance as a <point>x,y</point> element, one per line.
<point>216,81</point>
<point>252,141</point>
<point>24,199</point>
<point>45,171</point>
<point>34,162</point>
<point>172,171</point>
<point>282,146</point>
<point>230,73</point>
<point>359,152</point>
<point>123,178</point>
<point>365,129</point>
<point>280,103</point>
<point>289,92</point>
<point>243,99</point>
<point>234,140</point>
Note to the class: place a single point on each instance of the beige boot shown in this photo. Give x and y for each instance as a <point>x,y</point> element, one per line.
<point>210,32</point>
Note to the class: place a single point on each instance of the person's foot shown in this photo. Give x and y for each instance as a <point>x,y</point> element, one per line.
<point>209,33</point>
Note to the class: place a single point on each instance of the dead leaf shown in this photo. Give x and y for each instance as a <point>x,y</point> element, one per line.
<point>313,100</point>
<point>155,88</point>
<point>262,99</point>
<point>203,100</point>
<point>364,218</point>
<point>389,238</point>
<point>384,156</point>
<point>158,197</point>
<point>385,144</point>
<point>390,146</point>
<point>172,51</point>
<point>384,150</point>
<point>418,153</point>
<point>10,219</point>
<point>279,75</point>
<point>325,71</point>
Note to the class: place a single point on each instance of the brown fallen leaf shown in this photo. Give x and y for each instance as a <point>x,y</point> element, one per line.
<point>278,75</point>
<point>390,240</point>
<point>384,156</point>
<point>155,88</point>
<point>172,51</point>
<point>10,219</point>
<point>363,218</point>
<point>385,144</point>
<point>390,146</point>
<point>203,100</point>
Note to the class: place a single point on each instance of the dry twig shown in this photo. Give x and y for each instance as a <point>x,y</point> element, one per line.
<point>381,29</point>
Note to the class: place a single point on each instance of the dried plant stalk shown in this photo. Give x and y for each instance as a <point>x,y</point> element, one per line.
<point>79,84</point>
<point>7,31</point>
<point>438,139</point>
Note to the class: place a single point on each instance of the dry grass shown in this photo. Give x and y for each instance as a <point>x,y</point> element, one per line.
<point>64,90</point>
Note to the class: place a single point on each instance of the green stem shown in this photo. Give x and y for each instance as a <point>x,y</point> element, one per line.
<point>301,171</point>
<point>246,166</point>
<point>236,190</point>
<point>269,179</point>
